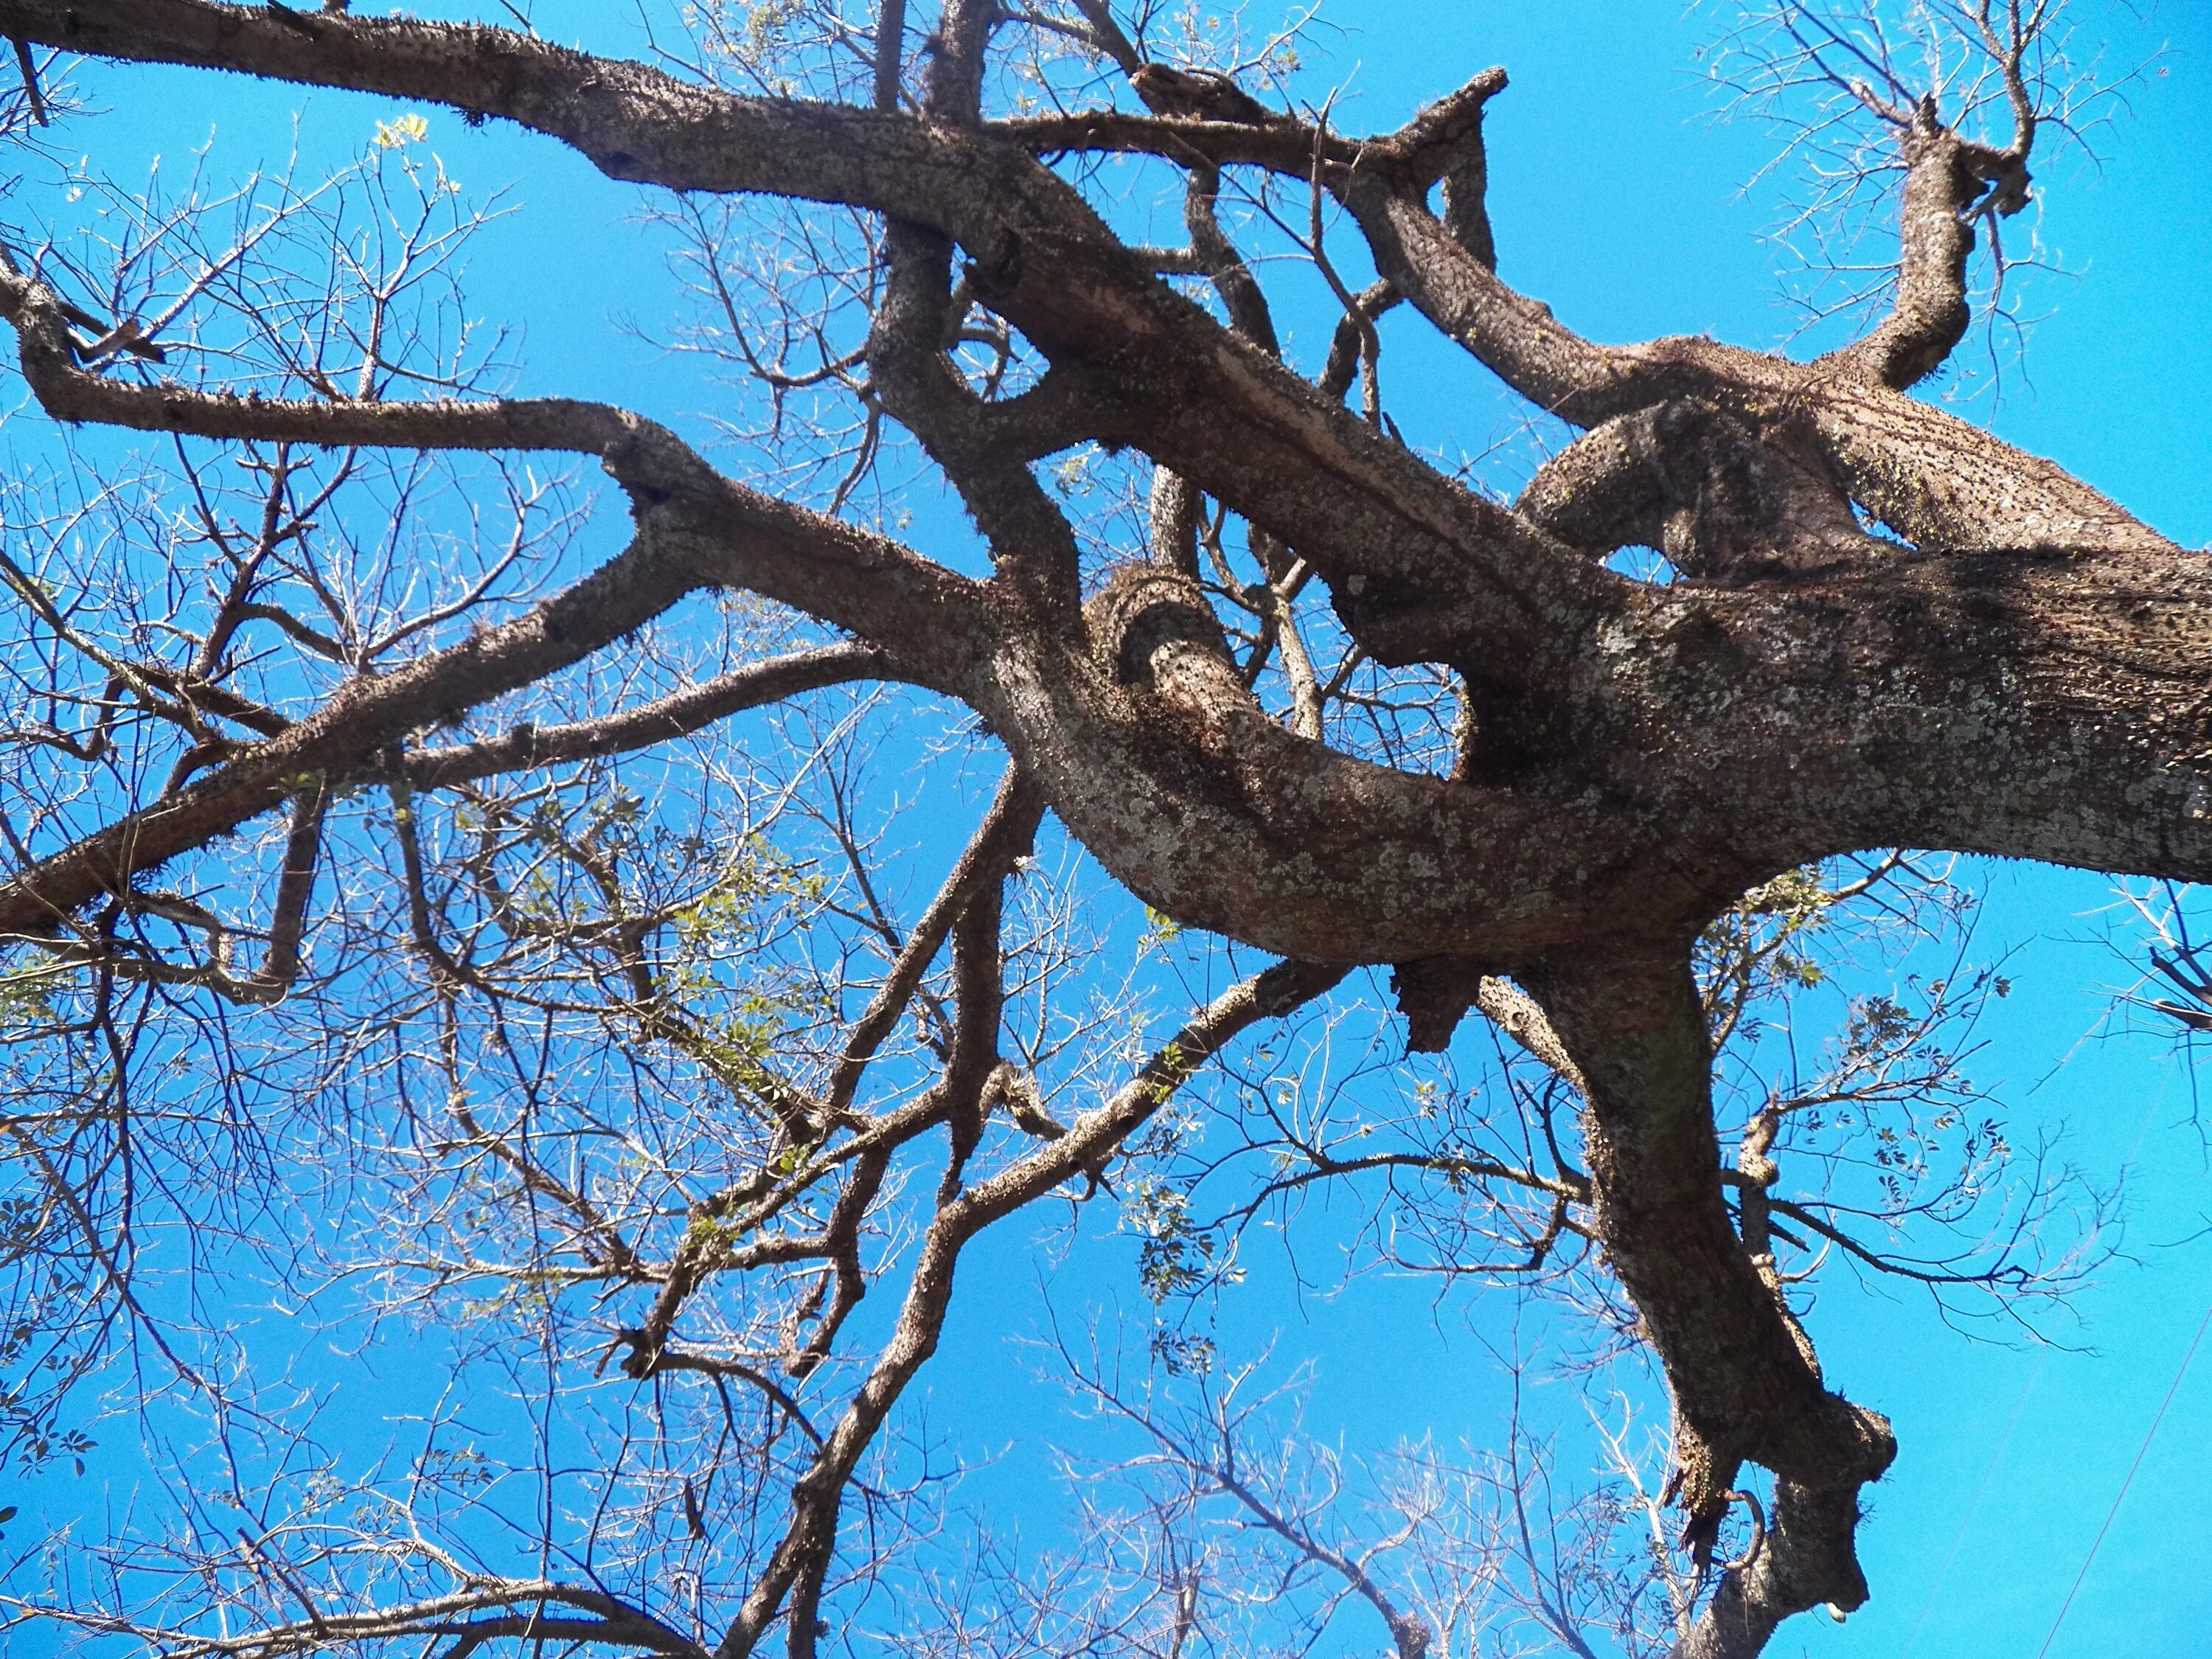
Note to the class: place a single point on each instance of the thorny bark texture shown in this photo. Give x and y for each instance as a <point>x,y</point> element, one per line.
<point>2016,667</point>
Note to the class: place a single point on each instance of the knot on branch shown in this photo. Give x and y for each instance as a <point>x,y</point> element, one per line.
<point>643,1358</point>
<point>1434,995</point>
<point>1720,497</point>
<point>1754,1157</point>
<point>992,275</point>
<point>1014,1089</point>
<point>1700,1479</point>
<point>1977,178</point>
<point>2005,174</point>
<point>1831,1452</point>
<point>654,467</point>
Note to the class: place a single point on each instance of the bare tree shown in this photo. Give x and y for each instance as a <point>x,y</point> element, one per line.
<point>1237,1525</point>
<point>521,929</point>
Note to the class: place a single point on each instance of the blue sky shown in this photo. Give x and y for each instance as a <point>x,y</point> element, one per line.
<point>1613,200</point>
<point>1616,199</point>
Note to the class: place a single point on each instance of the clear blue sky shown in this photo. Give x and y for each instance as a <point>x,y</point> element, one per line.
<point>1615,201</point>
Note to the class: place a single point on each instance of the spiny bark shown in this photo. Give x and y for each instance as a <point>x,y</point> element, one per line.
<point>2024,671</point>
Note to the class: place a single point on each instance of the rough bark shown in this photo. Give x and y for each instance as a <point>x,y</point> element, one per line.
<point>2024,670</point>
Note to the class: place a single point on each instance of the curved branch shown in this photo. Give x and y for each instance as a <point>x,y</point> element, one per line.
<point>715,534</point>
<point>1949,182</point>
<point>975,443</point>
<point>1517,338</point>
<point>632,446</point>
<point>679,714</point>
<point>1718,497</point>
<point>1743,1388</point>
<point>1223,265</point>
<point>517,1607</point>
<point>1162,762</point>
<point>960,1215</point>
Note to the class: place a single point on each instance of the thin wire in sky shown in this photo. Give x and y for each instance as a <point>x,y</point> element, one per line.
<point>2121,1496</point>
<point>1967,1519</point>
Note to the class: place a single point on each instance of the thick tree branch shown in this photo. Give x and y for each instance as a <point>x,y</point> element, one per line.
<point>1948,486</point>
<point>1221,413</point>
<point>1743,1388</point>
<point>1717,497</point>
<point>1949,182</point>
<point>726,536</point>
